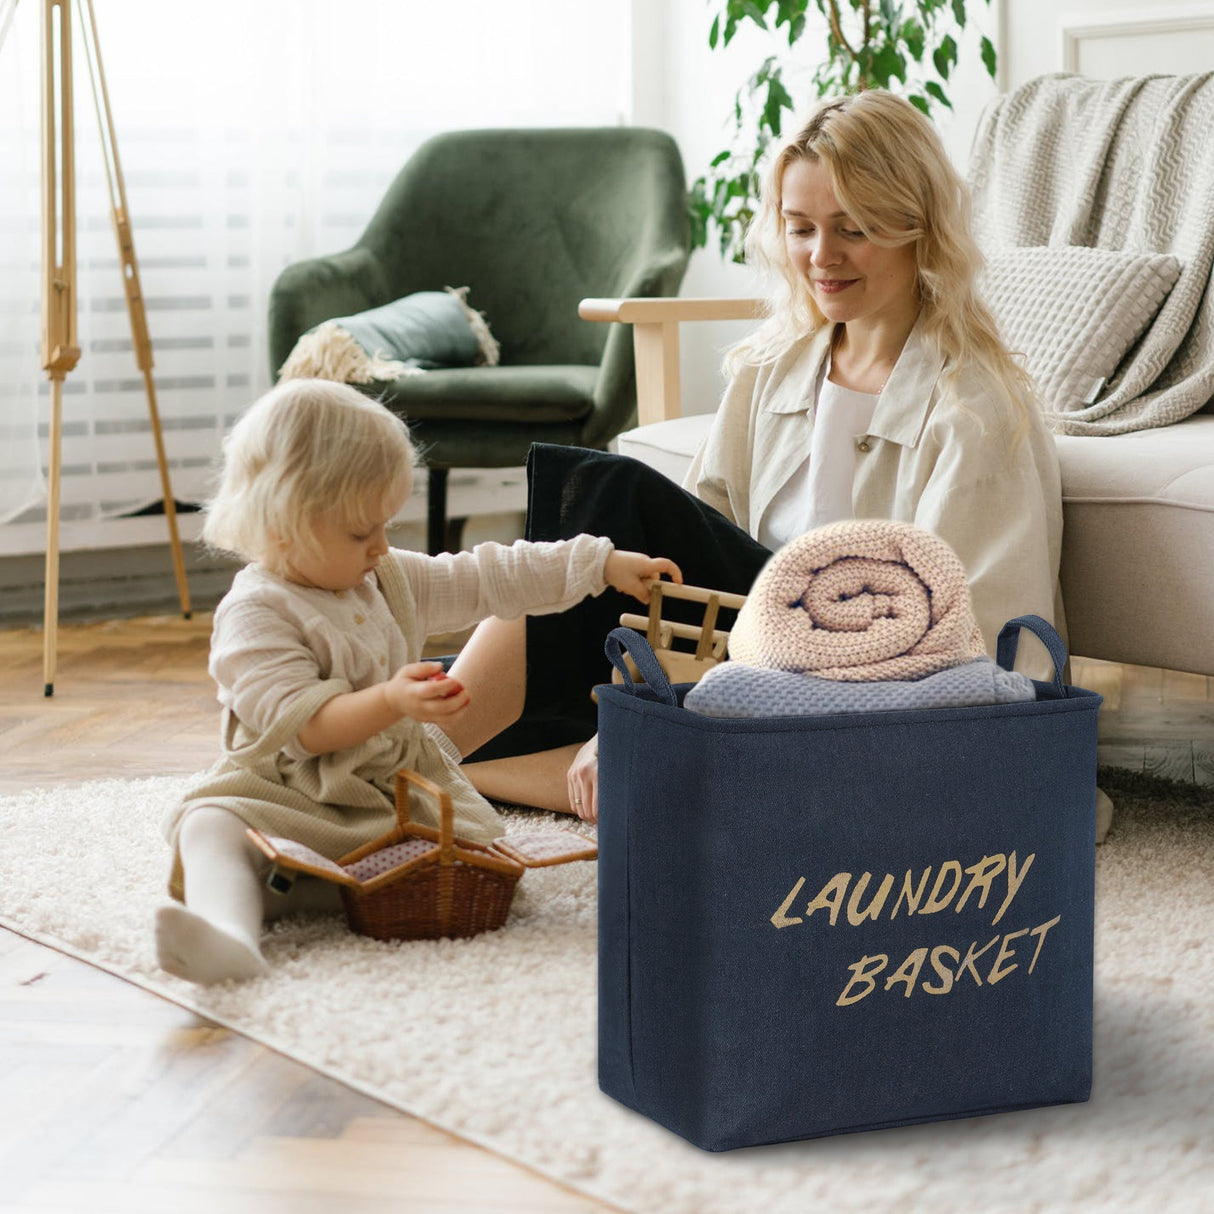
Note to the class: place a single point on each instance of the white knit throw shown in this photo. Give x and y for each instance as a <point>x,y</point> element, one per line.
<point>1114,164</point>
<point>859,601</point>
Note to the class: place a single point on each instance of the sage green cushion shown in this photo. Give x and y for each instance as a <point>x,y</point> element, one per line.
<point>426,329</point>
<point>423,330</point>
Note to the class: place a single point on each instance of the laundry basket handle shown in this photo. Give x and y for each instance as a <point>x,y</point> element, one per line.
<point>622,641</point>
<point>1043,630</point>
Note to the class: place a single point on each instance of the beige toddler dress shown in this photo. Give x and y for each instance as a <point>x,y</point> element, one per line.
<point>279,651</point>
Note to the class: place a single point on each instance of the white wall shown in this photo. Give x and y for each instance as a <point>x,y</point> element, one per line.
<point>1108,38</point>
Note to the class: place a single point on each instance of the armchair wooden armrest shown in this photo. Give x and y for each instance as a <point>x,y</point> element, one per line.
<point>655,338</point>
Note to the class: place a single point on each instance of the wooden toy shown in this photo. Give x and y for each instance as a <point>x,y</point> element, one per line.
<point>682,665</point>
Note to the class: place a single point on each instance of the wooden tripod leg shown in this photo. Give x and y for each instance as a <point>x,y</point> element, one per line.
<point>136,309</point>
<point>60,352</point>
<point>50,607</point>
<point>170,506</point>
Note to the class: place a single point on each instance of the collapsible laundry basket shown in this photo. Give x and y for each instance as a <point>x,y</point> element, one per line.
<point>814,925</point>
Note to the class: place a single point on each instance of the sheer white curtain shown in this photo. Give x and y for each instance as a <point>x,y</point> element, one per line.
<point>250,135</point>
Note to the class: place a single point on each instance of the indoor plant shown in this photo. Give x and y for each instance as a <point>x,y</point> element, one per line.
<point>910,47</point>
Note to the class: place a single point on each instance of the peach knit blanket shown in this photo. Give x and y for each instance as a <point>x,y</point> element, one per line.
<point>859,601</point>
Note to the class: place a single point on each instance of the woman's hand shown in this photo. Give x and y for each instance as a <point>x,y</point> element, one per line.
<point>628,572</point>
<point>423,691</point>
<point>583,782</point>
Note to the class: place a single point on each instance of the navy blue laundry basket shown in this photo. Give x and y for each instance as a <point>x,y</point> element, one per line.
<point>815,925</point>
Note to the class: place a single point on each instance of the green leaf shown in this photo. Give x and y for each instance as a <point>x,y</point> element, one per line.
<point>888,63</point>
<point>936,91</point>
<point>913,37</point>
<point>789,12</point>
<point>959,12</point>
<point>920,103</point>
<point>755,13</point>
<point>777,100</point>
<point>714,32</point>
<point>989,57</point>
<point>945,55</point>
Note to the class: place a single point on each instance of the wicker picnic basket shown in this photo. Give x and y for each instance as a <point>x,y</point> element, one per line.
<point>418,883</point>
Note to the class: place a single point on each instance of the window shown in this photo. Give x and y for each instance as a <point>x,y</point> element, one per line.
<point>250,136</point>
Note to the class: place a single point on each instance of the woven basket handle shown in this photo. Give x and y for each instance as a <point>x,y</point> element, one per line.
<point>446,832</point>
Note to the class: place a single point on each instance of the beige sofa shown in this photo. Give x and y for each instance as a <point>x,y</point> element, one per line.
<point>1138,508</point>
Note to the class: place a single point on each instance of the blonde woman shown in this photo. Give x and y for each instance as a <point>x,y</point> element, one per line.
<point>877,388</point>
<point>316,651</point>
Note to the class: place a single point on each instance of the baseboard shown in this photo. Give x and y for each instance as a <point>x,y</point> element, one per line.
<point>112,583</point>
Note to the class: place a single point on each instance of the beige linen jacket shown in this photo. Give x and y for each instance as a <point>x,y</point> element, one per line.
<point>945,460</point>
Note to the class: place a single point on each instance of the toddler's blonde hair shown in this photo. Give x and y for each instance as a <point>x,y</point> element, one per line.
<point>892,175</point>
<point>308,448</point>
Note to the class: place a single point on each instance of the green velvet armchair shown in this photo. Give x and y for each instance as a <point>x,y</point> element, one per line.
<point>531,221</point>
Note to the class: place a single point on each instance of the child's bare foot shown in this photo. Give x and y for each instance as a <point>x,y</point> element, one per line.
<point>191,947</point>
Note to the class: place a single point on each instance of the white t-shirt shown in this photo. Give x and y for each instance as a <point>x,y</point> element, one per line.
<point>820,491</point>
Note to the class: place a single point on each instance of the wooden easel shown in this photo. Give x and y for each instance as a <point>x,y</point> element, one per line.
<point>60,353</point>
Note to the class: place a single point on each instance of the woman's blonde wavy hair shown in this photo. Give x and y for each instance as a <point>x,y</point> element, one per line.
<point>307,449</point>
<point>891,174</point>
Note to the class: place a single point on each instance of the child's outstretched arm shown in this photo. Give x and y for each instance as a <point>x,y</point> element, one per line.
<point>628,572</point>
<point>419,690</point>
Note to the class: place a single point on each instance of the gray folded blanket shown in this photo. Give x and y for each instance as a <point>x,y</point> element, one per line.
<point>736,690</point>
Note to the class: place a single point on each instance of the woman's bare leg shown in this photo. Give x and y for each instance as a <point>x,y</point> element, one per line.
<point>493,667</point>
<point>539,779</point>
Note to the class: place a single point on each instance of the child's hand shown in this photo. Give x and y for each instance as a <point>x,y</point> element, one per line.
<point>424,692</point>
<point>628,572</point>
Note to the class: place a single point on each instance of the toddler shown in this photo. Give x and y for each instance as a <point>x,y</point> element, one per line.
<point>315,651</point>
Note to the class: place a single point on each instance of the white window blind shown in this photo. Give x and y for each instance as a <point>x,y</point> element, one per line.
<point>250,135</point>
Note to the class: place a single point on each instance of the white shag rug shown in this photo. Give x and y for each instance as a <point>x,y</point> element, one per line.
<point>454,1031</point>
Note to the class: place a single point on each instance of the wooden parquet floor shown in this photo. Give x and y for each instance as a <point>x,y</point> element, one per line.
<point>112,1099</point>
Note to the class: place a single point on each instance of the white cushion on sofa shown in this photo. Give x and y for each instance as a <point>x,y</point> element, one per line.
<point>1073,312</point>
<point>1138,544</point>
<point>668,446</point>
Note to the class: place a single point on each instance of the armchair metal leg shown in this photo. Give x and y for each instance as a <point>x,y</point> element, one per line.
<point>436,511</point>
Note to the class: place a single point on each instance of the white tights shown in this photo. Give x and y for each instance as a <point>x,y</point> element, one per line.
<point>216,935</point>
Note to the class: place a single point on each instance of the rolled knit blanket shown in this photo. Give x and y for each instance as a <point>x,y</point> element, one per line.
<point>859,601</point>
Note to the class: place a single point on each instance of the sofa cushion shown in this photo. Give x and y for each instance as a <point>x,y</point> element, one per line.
<point>1073,312</point>
<point>405,337</point>
<point>1138,545</point>
<point>668,446</point>
<point>513,394</point>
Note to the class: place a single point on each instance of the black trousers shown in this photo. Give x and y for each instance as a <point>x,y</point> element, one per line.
<point>573,491</point>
